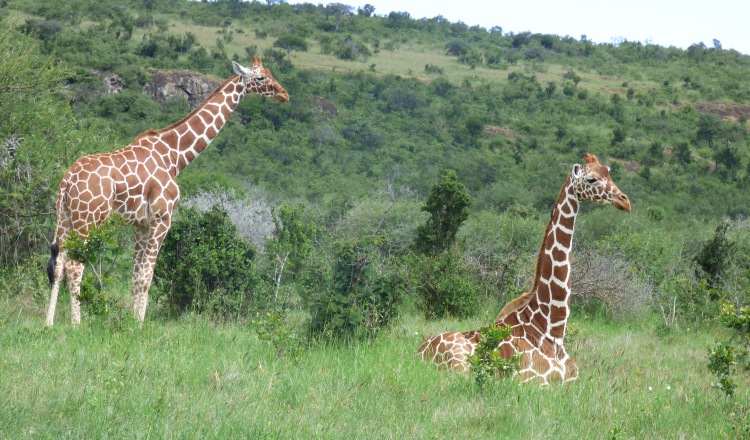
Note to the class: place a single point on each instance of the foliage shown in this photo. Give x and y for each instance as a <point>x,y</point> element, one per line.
<point>35,133</point>
<point>99,249</point>
<point>487,362</point>
<point>290,245</point>
<point>291,43</point>
<point>725,357</point>
<point>99,252</point>
<point>274,328</point>
<point>448,205</point>
<point>358,301</point>
<point>443,285</point>
<point>204,266</point>
<point>714,256</point>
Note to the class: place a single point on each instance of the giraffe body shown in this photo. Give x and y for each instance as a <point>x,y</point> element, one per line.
<point>538,318</point>
<point>138,183</point>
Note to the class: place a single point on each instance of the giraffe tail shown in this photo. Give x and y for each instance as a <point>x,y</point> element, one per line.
<point>55,247</point>
<point>54,250</point>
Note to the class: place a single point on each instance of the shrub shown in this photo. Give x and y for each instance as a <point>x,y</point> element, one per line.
<point>273,328</point>
<point>725,358</point>
<point>443,285</point>
<point>714,257</point>
<point>448,205</point>
<point>99,253</point>
<point>611,280</point>
<point>205,266</point>
<point>487,363</point>
<point>358,301</point>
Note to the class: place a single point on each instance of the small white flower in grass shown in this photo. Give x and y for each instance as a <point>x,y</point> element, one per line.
<point>650,388</point>
<point>669,387</point>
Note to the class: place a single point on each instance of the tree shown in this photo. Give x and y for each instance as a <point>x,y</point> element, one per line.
<point>366,10</point>
<point>38,136</point>
<point>338,10</point>
<point>709,129</point>
<point>448,205</point>
<point>457,47</point>
<point>290,42</point>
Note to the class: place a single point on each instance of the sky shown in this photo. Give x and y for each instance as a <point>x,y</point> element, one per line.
<point>678,23</point>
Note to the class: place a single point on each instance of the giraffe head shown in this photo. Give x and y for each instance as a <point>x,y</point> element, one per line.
<point>593,183</point>
<point>259,80</point>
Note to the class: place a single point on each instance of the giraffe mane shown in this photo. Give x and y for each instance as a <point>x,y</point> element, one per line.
<point>514,305</point>
<point>218,90</point>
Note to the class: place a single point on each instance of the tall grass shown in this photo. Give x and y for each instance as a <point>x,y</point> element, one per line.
<point>192,378</point>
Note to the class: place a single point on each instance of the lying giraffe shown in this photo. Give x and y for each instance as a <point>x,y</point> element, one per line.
<point>538,317</point>
<point>139,184</point>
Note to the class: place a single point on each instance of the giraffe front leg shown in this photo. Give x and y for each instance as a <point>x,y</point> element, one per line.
<point>148,243</point>
<point>74,271</point>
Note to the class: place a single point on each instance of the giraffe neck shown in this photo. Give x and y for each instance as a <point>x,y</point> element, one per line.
<point>549,306</point>
<point>187,138</point>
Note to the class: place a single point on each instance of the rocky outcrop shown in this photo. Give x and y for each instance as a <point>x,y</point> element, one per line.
<point>111,81</point>
<point>167,84</point>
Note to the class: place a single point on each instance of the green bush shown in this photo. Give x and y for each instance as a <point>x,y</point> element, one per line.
<point>205,266</point>
<point>443,285</point>
<point>448,205</point>
<point>99,253</point>
<point>487,362</point>
<point>358,301</point>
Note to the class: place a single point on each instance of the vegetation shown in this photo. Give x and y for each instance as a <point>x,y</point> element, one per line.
<point>320,240</point>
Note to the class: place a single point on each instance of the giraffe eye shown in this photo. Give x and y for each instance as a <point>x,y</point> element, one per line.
<point>260,78</point>
<point>591,181</point>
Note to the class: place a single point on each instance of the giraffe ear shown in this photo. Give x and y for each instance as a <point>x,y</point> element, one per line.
<point>240,70</point>
<point>576,173</point>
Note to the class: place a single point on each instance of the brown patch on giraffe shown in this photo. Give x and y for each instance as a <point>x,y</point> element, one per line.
<point>544,309</point>
<point>561,272</point>
<point>563,239</point>
<point>543,294</point>
<point>558,313</point>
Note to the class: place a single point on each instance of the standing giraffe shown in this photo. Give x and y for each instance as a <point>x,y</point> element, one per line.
<point>538,317</point>
<point>139,184</point>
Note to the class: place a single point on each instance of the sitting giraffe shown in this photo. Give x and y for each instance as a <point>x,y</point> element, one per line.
<point>538,317</point>
<point>139,184</point>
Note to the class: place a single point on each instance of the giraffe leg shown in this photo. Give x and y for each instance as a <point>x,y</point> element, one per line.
<point>141,242</point>
<point>58,263</point>
<point>74,273</point>
<point>148,243</point>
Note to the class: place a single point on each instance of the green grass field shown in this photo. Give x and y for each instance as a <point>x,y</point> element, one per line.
<point>195,379</point>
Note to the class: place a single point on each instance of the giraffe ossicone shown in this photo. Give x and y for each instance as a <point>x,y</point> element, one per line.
<point>539,317</point>
<point>138,183</point>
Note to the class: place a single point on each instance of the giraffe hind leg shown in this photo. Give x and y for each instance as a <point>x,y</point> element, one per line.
<point>56,264</point>
<point>74,272</point>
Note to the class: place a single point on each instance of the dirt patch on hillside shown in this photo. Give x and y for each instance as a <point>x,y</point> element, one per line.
<point>723,109</point>
<point>495,131</point>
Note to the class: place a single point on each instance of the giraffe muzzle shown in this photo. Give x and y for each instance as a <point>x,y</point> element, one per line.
<point>622,202</point>
<point>281,96</point>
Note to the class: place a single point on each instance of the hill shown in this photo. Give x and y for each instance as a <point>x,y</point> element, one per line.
<point>416,96</point>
